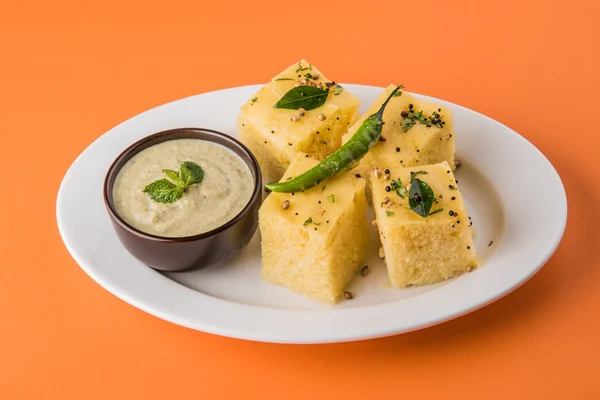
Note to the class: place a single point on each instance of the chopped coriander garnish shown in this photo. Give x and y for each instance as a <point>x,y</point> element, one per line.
<point>284,79</point>
<point>310,221</point>
<point>410,118</point>
<point>406,124</point>
<point>331,198</point>
<point>323,142</point>
<point>300,68</point>
<point>398,187</point>
<point>254,100</point>
<point>323,189</point>
<point>389,213</point>
<point>415,173</point>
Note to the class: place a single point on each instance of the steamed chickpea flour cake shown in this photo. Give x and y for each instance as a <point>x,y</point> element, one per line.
<point>325,165</point>
<point>281,119</point>
<point>182,187</point>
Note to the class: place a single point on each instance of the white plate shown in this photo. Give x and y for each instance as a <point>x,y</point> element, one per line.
<point>513,194</point>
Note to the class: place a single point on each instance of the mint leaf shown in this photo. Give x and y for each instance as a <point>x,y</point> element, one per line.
<point>164,191</point>
<point>307,97</point>
<point>173,175</point>
<point>190,173</point>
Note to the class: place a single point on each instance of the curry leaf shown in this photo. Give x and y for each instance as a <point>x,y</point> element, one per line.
<point>420,198</point>
<point>307,97</point>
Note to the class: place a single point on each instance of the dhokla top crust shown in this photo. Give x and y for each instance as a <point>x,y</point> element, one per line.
<point>319,208</point>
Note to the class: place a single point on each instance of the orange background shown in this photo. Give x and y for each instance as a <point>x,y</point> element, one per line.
<point>70,72</point>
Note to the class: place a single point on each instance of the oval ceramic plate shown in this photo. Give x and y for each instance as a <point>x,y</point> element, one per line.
<point>500,176</point>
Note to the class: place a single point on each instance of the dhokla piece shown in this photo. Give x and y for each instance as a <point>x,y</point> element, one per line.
<point>313,242</point>
<point>275,135</point>
<point>422,250</point>
<point>406,143</point>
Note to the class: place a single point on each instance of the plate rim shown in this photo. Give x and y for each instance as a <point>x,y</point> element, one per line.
<point>132,300</point>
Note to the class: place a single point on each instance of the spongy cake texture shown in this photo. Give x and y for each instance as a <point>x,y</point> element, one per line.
<point>418,250</point>
<point>315,246</point>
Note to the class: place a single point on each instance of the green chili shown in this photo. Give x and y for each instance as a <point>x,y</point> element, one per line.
<point>352,151</point>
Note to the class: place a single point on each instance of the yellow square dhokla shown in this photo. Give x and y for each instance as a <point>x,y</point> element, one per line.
<point>274,138</point>
<point>313,242</point>
<point>419,250</point>
<point>420,144</point>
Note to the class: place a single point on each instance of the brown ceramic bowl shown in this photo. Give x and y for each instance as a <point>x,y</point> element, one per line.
<point>190,252</point>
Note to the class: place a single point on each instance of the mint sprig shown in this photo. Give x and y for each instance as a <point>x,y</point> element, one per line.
<point>190,173</point>
<point>165,191</point>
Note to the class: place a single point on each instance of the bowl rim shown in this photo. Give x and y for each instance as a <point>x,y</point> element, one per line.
<point>134,149</point>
